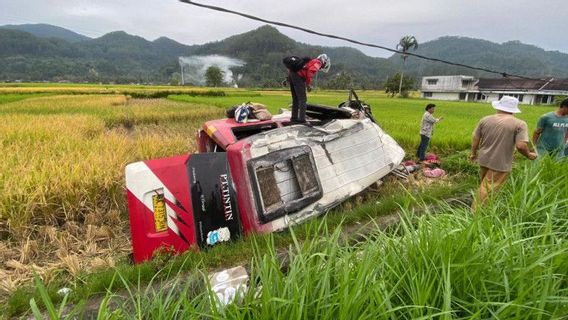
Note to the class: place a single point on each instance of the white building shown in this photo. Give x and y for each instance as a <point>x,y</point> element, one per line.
<point>467,88</point>
<point>449,88</point>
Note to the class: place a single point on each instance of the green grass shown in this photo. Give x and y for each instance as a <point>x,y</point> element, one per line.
<point>89,134</point>
<point>399,117</point>
<point>95,283</point>
<point>509,260</point>
<point>12,97</point>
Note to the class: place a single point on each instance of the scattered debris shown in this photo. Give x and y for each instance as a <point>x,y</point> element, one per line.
<point>430,168</point>
<point>434,173</point>
<point>64,291</point>
<point>228,285</point>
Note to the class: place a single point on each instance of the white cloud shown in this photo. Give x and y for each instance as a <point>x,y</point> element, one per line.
<point>85,10</point>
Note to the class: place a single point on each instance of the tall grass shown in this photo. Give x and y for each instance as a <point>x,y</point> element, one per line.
<point>509,260</point>
<point>64,156</point>
<point>62,172</point>
<point>62,198</point>
<point>62,207</point>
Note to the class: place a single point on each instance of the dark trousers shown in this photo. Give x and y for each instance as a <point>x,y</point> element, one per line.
<point>298,90</point>
<point>421,152</point>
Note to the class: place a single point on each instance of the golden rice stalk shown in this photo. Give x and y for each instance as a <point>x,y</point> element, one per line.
<point>95,233</point>
<point>112,217</point>
<point>49,233</point>
<point>65,171</point>
<point>92,218</point>
<point>90,249</point>
<point>110,262</point>
<point>72,228</point>
<point>28,251</point>
<point>100,263</point>
<point>6,253</point>
<point>72,264</point>
<point>8,283</point>
<point>16,265</point>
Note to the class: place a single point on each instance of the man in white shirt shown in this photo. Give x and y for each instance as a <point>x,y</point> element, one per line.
<point>426,130</point>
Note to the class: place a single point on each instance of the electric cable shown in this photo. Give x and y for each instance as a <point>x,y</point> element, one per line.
<point>248,16</point>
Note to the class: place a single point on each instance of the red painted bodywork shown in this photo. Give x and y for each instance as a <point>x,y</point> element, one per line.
<point>145,239</point>
<point>215,136</point>
<point>221,131</point>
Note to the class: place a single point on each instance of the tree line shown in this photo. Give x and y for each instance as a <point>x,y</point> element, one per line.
<point>121,58</point>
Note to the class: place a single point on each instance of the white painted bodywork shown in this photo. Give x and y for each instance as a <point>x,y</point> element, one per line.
<point>143,184</point>
<point>359,153</point>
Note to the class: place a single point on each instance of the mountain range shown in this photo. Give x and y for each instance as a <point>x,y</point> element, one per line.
<point>48,53</point>
<point>42,30</point>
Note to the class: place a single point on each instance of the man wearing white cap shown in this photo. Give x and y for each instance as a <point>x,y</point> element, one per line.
<point>494,141</point>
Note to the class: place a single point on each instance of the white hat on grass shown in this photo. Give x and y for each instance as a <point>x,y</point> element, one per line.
<point>507,104</point>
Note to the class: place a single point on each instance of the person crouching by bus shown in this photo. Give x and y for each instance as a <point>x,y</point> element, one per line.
<point>426,130</point>
<point>300,81</point>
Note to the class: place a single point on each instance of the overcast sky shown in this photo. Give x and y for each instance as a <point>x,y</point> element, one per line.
<point>539,22</point>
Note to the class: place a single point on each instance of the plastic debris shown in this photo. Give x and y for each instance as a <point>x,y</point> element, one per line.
<point>64,291</point>
<point>229,284</point>
<point>434,173</point>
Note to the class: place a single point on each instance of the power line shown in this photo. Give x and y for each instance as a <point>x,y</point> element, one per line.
<point>248,16</point>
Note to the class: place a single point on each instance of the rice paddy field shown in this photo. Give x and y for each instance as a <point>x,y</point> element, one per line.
<point>63,217</point>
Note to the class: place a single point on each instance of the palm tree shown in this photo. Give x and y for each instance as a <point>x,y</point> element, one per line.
<point>404,45</point>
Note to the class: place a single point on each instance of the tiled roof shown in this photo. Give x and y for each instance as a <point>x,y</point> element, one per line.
<point>522,84</point>
<point>557,84</point>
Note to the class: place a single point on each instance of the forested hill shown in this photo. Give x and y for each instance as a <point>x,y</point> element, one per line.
<point>115,57</point>
<point>511,57</point>
<point>122,58</point>
<point>48,31</point>
<point>263,49</point>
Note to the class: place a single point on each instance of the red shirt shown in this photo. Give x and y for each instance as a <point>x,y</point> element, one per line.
<point>309,70</point>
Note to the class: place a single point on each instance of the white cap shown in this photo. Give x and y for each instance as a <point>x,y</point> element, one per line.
<point>507,104</point>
